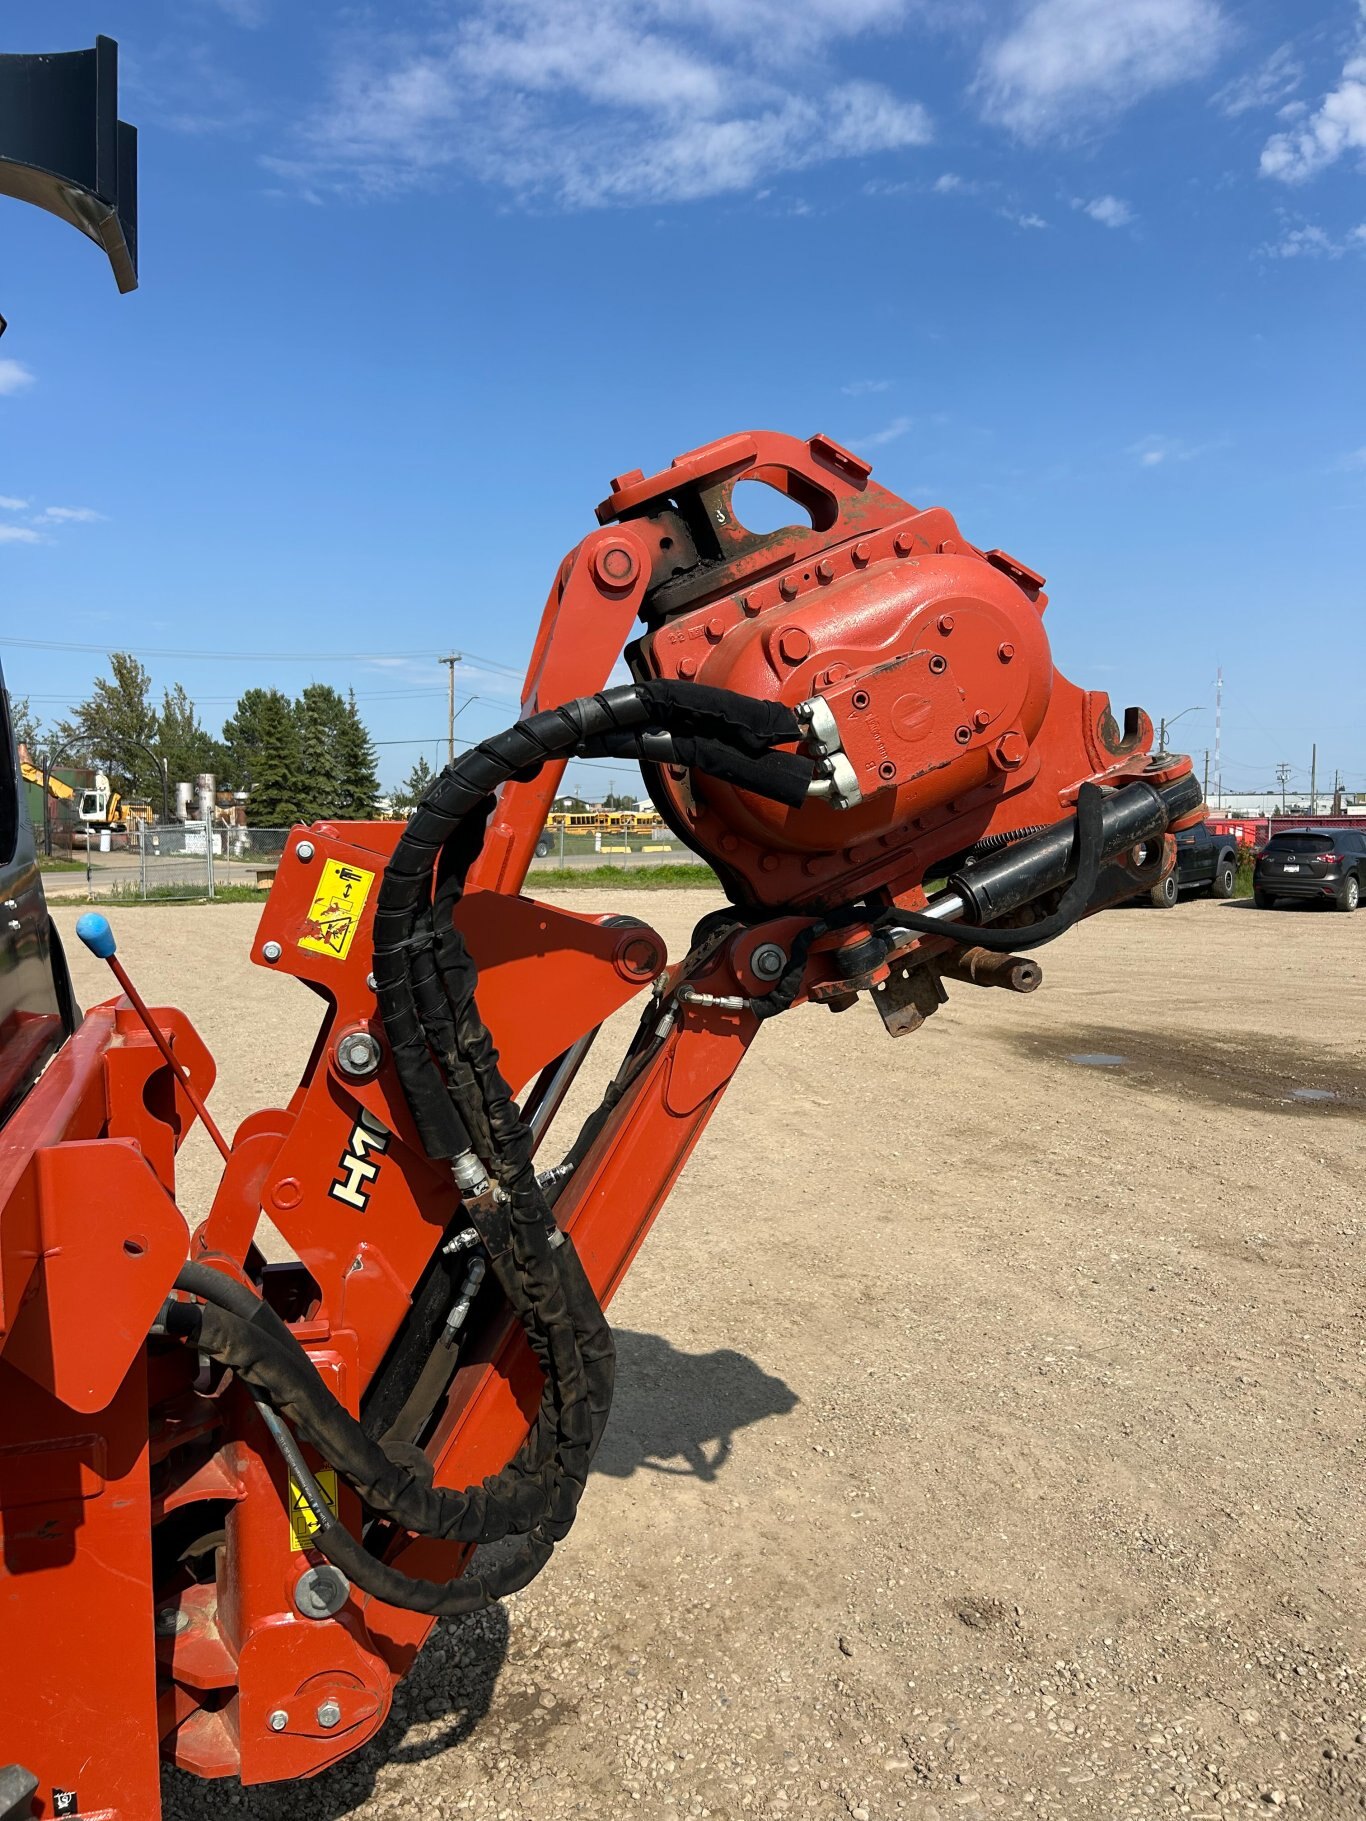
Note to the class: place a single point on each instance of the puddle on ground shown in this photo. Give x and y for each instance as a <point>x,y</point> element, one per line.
<point>1270,1071</point>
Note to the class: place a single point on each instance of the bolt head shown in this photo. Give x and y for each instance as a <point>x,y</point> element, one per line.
<point>825,570</point>
<point>1005,652</point>
<point>1011,751</point>
<point>787,588</point>
<point>329,1713</point>
<point>983,717</point>
<point>863,553</point>
<point>768,960</point>
<point>793,643</point>
<point>358,1054</point>
<point>304,851</point>
<point>687,667</point>
<point>945,622</point>
<point>278,1720</point>
<point>903,543</point>
<point>272,951</point>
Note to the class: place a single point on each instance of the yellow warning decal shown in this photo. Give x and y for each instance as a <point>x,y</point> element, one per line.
<point>303,1526</point>
<point>336,909</point>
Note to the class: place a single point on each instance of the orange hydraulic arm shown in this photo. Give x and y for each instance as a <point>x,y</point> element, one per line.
<point>261,1507</point>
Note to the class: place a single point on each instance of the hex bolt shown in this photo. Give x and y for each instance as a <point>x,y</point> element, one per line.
<point>768,960</point>
<point>329,1713</point>
<point>787,588</point>
<point>687,667</point>
<point>903,543</point>
<point>272,951</point>
<point>862,553</point>
<point>358,1055</point>
<point>304,851</point>
<point>171,1621</point>
<point>793,643</point>
<point>278,1720</point>
<point>825,570</point>
<point>983,717</point>
<point>1005,652</point>
<point>945,623</point>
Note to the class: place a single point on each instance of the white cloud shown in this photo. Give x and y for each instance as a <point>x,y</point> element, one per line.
<point>14,376</point>
<point>1071,63</point>
<point>1354,459</point>
<point>1265,87</point>
<point>1109,211</point>
<point>1337,126</point>
<point>19,534</point>
<point>599,102</point>
<point>889,433</point>
<point>860,388</point>
<point>1310,241</point>
<point>1025,220</point>
<point>12,505</point>
<point>71,515</point>
<point>1154,451</point>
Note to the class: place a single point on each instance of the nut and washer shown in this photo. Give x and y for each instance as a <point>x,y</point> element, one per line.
<point>272,951</point>
<point>358,1055</point>
<point>329,1714</point>
<point>304,851</point>
<point>319,1593</point>
<point>278,1720</point>
<point>768,960</point>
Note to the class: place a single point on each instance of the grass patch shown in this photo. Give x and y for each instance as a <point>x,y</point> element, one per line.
<point>180,894</point>
<point>52,863</point>
<point>617,878</point>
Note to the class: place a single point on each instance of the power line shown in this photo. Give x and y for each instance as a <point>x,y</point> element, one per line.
<point>260,657</point>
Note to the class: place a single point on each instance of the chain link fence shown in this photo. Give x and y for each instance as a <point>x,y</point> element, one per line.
<point>176,863</point>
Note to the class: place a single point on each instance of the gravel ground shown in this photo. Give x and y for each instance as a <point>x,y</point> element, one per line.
<point>988,1434</point>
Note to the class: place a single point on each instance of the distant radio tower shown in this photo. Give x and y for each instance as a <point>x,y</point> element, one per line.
<point>1219,735</point>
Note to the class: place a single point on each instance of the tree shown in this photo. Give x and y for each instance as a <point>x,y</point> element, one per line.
<point>113,725</point>
<point>321,715</point>
<point>414,787</point>
<point>185,746</point>
<point>274,801</point>
<point>25,726</point>
<point>359,782</point>
<point>242,734</point>
<point>619,800</point>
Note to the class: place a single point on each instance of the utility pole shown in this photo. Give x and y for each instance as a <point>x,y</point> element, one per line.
<point>1219,735</point>
<point>450,662</point>
<point>1314,779</point>
<point>1283,778</point>
<point>1205,788</point>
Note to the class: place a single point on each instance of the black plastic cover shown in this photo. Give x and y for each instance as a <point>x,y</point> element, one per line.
<point>64,148</point>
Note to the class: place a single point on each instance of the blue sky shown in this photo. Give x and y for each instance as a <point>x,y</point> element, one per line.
<point>418,278</point>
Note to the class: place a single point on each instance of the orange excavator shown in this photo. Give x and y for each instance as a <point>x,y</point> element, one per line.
<point>240,1492</point>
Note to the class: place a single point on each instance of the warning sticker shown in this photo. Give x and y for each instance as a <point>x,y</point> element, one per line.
<point>336,909</point>
<point>303,1526</point>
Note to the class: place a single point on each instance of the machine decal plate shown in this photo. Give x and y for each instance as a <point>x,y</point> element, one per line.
<point>303,1526</point>
<point>336,909</point>
<point>357,1172</point>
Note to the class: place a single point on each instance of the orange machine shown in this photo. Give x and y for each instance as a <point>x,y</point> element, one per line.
<point>255,1485</point>
<point>234,1494</point>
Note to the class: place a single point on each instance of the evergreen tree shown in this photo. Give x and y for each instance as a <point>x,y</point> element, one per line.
<point>184,744</point>
<point>414,787</point>
<point>242,735</point>
<point>274,799</point>
<point>113,725</point>
<point>322,717</point>
<point>359,782</point>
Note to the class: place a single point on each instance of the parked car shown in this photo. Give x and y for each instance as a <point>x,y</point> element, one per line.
<point>1325,864</point>
<point>1204,863</point>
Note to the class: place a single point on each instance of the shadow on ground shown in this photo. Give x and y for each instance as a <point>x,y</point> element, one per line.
<point>673,1412</point>
<point>677,1412</point>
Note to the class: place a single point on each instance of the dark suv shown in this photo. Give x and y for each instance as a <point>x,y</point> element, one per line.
<point>1326,864</point>
<point>1205,862</point>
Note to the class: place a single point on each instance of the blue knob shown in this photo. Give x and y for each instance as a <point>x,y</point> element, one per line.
<point>94,931</point>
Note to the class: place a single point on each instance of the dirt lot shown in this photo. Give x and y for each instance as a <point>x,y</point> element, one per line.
<point>988,1438</point>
